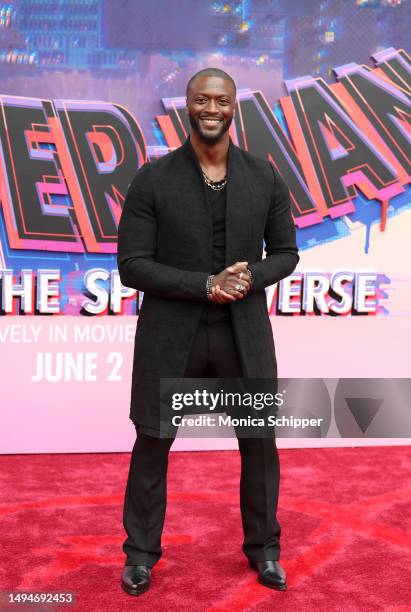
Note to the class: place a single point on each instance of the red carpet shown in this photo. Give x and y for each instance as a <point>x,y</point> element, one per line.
<point>345,515</point>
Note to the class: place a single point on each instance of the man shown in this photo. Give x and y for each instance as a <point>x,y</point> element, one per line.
<point>191,236</point>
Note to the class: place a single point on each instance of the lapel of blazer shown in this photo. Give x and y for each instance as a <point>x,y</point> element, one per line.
<point>237,204</point>
<point>238,212</point>
<point>191,155</point>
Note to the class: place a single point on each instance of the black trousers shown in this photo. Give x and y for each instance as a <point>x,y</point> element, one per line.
<point>213,354</point>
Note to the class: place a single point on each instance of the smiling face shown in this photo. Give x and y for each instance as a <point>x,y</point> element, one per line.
<point>210,107</point>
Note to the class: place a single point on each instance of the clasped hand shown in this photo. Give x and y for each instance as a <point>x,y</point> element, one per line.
<point>224,284</point>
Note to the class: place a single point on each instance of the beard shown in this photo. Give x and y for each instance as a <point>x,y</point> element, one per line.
<point>206,136</point>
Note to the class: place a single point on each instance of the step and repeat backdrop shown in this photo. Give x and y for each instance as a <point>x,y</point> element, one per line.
<point>90,90</point>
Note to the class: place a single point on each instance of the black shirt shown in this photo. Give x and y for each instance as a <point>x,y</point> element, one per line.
<point>217,201</point>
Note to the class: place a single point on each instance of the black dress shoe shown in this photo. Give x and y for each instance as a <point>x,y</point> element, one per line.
<point>270,574</point>
<point>136,579</point>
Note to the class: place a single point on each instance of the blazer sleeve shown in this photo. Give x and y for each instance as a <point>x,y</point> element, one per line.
<point>136,248</point>
<point>280,239</point>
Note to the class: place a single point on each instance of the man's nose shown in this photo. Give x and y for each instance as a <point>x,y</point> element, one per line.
<point>212,106</point>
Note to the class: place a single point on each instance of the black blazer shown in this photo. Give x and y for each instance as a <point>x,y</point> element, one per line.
<point>165,250</point>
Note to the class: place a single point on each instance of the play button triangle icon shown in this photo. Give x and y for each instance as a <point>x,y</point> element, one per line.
<point>363,410</point>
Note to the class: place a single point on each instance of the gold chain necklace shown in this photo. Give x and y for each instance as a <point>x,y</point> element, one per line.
<point>216,185</point>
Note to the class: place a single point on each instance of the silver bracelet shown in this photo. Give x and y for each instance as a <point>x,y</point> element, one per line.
<point>250,275</point>
<point>209,285</point>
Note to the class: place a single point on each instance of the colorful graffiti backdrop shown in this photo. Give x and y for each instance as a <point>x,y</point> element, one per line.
<point>91,89</point>
<point>90,93</point>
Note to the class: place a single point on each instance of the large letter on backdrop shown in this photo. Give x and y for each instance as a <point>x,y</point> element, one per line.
<point>105,148</point>
<point>31,179</point>
<point>395,65</point>
<point>341,155</point>
<point>385,106</point>
<point>259,132</point>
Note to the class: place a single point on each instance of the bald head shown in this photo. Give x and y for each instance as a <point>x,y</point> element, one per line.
<point>213,72</point>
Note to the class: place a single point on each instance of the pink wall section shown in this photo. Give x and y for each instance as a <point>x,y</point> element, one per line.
<point>92,416</point>
<point>343,347</point>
